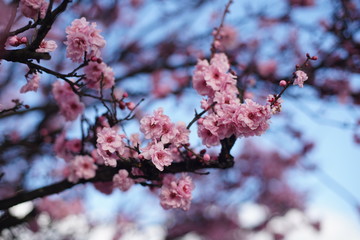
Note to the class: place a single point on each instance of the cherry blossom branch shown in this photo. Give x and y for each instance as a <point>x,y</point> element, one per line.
<point>47,24</point>
<point>25,54</point>
<point>216,35</point>
<point>105,174</point>
<point>288,83</point>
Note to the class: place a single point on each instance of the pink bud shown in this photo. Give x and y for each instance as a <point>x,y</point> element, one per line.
<point>130,105</point>
<point>23,40</point>
<point>206,157</point>
<point>282,83</point>
<point>13,41</point>
<point>200,121</point>
<point>125,95</point>
<point>121,105</point>
<point>93,58</point>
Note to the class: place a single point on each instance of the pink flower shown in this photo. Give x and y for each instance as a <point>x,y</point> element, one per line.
<point>228,37</point>
<point>83,37</point>
<point>157,126</point>
<point>208,130</point>
<point>99,74</point>
<point>299,78</point>
<point>32,83</point>
<point>214,77</point>
<point>70,105</point>
<point>221,61</point>
<point>32,8</point>
<point>109,140</point>
<point>109,144</point>
<point>61,91</point>
<point>159,156</point>
<point>82,167</point>
<point>182,134</point>
<point>47,46</point>
<point>251,119</point>
<point>198,80</point>
<point>176,193</point>
<point>122,181</point>
<point>109,158</point>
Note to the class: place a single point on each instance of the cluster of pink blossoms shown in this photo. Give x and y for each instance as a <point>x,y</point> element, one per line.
<point>83,37</point>
<point>228,116</point>
<point>176,193</point>
<point>70,105</point>
<point>99,75</point>
<point>110,145</point>
<point>34,8</point>
<point>161,131</point>
<point>32,84</point>
<point>81,167</point>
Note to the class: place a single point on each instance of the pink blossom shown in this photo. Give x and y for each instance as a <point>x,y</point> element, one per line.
<point>109,144</point>
<point>299,78</point>
<point>109,158</point>
<point>47,46</point>
<point>122,181</point>
<point>181,135</point>
<point>221,61</point>
<point>66,149</point>
<point>176,193</point>
<point>109,140</point>
<point>61,90</point>
<point>32,8</point>
<point>228,37</point>
<point>198,80</point>
<point>159,156</point>
<point>82,167</point>
<point>99,75</point>
<point>32,83</point>
<point>208,130</point>
<point>251,119</point>
<point>157,126</point>
<point>214,77</point>
<point>73,145</point>
<point>70,105</point>
<point>83,37</point>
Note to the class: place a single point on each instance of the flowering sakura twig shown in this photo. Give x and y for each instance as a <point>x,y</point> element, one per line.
<point>217,33</point>
<point>286,84</point>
